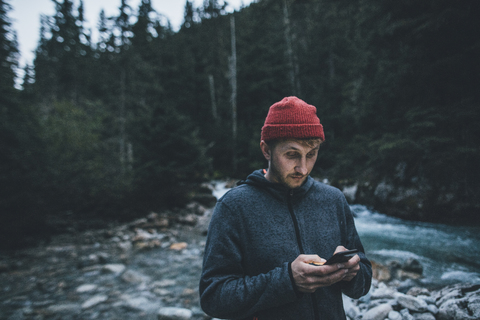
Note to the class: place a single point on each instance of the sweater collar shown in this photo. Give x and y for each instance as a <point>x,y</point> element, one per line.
<point>278,190</point>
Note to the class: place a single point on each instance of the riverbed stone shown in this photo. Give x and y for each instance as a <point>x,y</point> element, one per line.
<point>378,313</point>
<point>72,308</point>
<point>383,292</point>
<point>86,288</point>
<point>423,316</point>
<point>172,313</point>
<point>93,301</point>
<point>394,315</point>
<point>418,291</point>
<point>413,265</point>
<point>140,303</point>
<point>432,309</point>
<point>411,302</point>
<point>406,314</point>
<point>132,276</point>
<point>428,299</point>
<point>474,306</point>
<point>351,310</point>
<point>164,283</point>
<point>461,301</point>
<point>115,268</point>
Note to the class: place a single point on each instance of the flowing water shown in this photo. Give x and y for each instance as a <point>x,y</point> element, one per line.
<point>449,254</point>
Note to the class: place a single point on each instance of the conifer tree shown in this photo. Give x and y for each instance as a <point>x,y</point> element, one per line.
<point>21,159</point>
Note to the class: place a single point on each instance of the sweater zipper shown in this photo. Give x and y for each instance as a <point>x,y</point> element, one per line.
<point>300,246</point>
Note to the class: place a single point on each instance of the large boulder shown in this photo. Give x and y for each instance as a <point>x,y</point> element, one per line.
<point>461,301</point>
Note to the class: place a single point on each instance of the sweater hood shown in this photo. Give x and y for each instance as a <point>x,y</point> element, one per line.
<point>257,179</point>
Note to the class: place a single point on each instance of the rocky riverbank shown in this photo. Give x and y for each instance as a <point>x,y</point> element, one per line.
<point>149,269</point>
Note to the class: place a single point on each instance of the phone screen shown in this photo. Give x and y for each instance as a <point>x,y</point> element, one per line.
<point>342,256</point>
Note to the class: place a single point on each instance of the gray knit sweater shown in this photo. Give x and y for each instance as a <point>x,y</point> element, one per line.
<point>257,230</point>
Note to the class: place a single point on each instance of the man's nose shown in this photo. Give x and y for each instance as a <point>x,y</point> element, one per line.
<point>302,167</point>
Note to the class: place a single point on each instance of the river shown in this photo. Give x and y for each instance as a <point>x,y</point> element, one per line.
<point>449,254</point>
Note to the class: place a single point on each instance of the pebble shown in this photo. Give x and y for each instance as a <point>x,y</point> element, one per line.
<point>410,302</point>
<point>86,288</point>
<point>93,301</point>
<point>171,313</point>
<point>378,313</point>
<point>132,276</point>
<point>394,315</point>
<point>114,268</point>
<point>64,308</point>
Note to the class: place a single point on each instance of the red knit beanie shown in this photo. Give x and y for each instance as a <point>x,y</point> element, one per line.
<point>292,118</point>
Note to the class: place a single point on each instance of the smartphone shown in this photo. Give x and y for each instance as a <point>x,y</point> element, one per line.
<point>342,256</point>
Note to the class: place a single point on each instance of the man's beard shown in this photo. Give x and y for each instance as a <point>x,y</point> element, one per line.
<point>283,180</point>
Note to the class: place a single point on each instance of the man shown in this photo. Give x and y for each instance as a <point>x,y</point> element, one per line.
<point>266,233</point>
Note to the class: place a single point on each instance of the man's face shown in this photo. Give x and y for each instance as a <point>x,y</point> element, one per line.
<point>290,161</point>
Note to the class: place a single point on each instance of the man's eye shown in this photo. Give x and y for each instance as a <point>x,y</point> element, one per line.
<point>311,155</point>
<point>292,154</point>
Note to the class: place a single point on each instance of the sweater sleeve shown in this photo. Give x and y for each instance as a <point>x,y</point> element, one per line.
<point>226,291</point>
<point>360,284</point>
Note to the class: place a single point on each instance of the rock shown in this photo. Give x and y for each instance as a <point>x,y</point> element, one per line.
<point>427,299</point>
<point>349,192</point>
<point>162,292</point>
<point>156,221</point>
<point>406,315</point>
<point>155,243</point>
<point>416,291</point>
<point>93,301</point>
<point>380,272</point>
<point>188,219</point>
<point>125,245</point>
<point>351,310</point>
<point>411,302</point>
<point>208,200</point>
<point>457,309</point>
<point>131,276</point>
<point>459,302</point>
<point>413,265</point>
<point>88,261</point>
<point>402,275</point>
<point>432,309</point>
<point>140,303</point>
<point>474,306</point>
<point>394,315</point>
<point>423,316</point>
<point>383,292</point>
<point>196,208</point>
<point>142,235</point>
<point>165,283</point>
<point>178,246</point>
<point>378,313</point>
<point>4,267</point>
<point>64,308</point>
<point>114,268</point>
<point>86,288</point>
<point>171,313</point>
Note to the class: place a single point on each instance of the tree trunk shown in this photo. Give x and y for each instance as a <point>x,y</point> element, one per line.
<point>233,99</point>
<point>293,69</point>
<point>212,97</point>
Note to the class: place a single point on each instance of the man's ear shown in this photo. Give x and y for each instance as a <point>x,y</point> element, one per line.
<point>266,150</point>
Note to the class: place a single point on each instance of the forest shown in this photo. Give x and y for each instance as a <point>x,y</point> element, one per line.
<point>136,120</point>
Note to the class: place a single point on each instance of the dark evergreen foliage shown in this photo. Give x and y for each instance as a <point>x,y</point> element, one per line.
<point>128,123</point>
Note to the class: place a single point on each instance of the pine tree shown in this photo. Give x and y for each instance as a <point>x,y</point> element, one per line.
<point>8,57</point>
<point>22,155</point>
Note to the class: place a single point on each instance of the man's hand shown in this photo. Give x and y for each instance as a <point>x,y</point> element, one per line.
<point>309,278</point>
<point>352,265</point>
